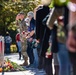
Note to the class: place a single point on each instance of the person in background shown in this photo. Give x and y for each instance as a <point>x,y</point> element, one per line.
<point>8,41</point>
<point>62,54</point>
<point>42,36</point>
<point>30,37</point>
<point>21,24</point>
<point>70,22</point>
<point>18,41</point>
<point>71,45</point>
<point>35,45</point>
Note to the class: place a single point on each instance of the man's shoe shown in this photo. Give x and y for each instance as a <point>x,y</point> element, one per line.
<point>24,64</point>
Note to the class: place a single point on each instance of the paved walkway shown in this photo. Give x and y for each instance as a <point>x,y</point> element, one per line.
<point>14,58</point>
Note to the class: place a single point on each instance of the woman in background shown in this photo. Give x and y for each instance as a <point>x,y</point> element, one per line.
<point>8,41</point>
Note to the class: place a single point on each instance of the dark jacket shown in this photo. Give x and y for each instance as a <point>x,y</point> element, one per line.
<point>42,32</point>
<point>66,17</point>
<point>40,15</point>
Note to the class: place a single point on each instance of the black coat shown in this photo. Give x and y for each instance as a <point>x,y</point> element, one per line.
<point>42,32</point>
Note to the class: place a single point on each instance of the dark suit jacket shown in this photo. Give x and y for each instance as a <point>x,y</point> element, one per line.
<point>42,32</point>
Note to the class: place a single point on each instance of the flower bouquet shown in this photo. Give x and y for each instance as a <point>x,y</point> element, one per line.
<point>11,67</point>
<point>48,53</point>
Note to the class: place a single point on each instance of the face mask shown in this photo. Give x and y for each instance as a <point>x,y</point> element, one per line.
<point>27,24</point>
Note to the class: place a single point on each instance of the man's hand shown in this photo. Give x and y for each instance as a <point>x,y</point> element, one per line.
<point>32,33</point>
<point>29,34</point>
<point>37,41</point>
<point>27,37</point>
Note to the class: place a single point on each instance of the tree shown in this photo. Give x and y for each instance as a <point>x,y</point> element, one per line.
<point>8,11</point>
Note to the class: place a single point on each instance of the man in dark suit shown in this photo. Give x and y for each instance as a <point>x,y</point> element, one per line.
<point>42,35</point>
<point>40,28</point>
